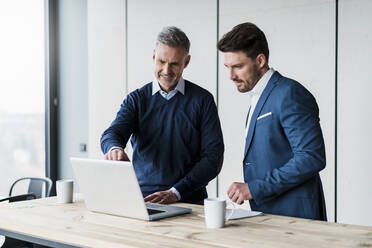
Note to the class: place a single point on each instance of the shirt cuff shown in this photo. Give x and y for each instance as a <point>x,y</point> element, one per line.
<point>115,147</point>
<point>174,190</point>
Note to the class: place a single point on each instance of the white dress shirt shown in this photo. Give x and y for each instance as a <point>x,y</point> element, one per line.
<point>180,87</point>
<point>255,95</point>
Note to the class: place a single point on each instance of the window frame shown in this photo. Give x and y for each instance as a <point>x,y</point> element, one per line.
<point>51,91</point>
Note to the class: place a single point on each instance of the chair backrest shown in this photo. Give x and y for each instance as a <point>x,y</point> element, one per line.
<point>35,186</point>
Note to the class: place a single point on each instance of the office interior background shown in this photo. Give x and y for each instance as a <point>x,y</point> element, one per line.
<point>97,51</point>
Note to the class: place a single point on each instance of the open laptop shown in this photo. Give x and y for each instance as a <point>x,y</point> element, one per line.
<point>111,187</point>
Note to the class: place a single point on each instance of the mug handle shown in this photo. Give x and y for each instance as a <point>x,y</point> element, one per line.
<point>232,210</point>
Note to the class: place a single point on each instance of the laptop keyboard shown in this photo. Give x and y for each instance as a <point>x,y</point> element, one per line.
<point>153,208</point>
<point>154,211</point>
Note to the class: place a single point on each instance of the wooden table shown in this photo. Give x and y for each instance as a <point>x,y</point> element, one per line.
<point>45,222</point>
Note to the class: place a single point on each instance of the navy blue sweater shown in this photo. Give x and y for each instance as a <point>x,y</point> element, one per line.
<point>176,143</point>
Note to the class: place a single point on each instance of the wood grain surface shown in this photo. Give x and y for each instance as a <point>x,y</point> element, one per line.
<point>73,224</point>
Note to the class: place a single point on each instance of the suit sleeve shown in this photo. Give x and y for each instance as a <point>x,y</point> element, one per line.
<point>123,126</point>
<point>299,118</point>
<point>212,149</point>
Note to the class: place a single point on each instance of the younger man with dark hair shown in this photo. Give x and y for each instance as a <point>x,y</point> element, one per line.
<point>284,147</point>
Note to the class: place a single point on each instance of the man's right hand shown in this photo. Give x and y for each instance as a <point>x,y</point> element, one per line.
<point>117,154</point>
<point>239,192</point>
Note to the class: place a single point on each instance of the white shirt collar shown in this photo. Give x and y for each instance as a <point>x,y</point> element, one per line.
<point>180,86</point>
<point>261,84</point>
<point>255,95</point>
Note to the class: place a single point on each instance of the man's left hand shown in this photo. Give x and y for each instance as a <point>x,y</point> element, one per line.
<point>239,192</point>
<point>162,197</point>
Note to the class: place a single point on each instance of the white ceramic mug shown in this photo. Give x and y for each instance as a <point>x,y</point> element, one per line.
<point>65,191</point>
<point>215,212</point>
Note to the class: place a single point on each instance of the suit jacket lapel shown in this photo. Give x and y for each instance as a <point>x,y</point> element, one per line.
<point>265,94</point>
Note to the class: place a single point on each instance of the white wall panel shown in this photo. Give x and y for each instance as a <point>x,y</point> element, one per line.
<point>301,37</point>
<point>354,188</point>
<point>196,18</point>
<point>106,67</point>
<point>72,83</point>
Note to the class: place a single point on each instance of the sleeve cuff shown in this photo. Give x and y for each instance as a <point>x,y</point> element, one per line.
<point>254,188</point>
<point>115,147</point>
<point>175,191</point>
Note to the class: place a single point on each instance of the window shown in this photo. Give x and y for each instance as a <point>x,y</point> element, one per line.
<point>22,96</point>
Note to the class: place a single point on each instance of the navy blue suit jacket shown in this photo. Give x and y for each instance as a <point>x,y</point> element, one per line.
<point>284,152</point>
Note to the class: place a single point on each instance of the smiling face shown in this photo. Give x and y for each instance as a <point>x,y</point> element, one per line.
<point>245,72</point>
<point>169,65</point>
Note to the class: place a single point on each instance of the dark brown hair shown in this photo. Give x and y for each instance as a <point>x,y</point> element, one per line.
<point>245,37</point>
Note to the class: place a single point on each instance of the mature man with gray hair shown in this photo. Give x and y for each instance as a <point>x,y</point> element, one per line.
<point>176,133</point>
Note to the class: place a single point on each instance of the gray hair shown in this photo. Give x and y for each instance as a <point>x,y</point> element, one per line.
<point>173,37</point>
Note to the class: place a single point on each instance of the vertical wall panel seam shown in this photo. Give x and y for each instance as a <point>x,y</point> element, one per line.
<point>126,87</point>
<point>336,100</point>
<point>126,48</point>
<point>217,71</point>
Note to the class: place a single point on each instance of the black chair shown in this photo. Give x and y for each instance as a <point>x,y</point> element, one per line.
<point>35,186</point>
<point>35,190</point>
<point>24,197</point>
